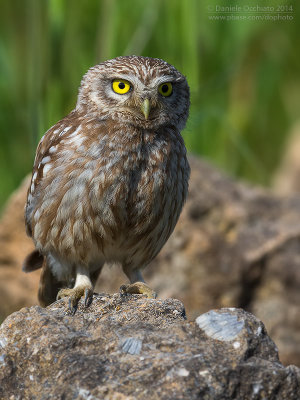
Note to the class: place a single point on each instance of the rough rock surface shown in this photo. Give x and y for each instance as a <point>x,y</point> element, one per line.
<point>234,246</point>
<point>16,288</point>
<point>136,348</point>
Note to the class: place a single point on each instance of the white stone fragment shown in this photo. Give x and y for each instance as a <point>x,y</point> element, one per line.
<point>182,372</point>
<point>259,331</point>
<point>131,346</point>
<point>84,394</point>
<point>204,372</point>
<point>257,387</point>
<point>3,342</point>
<point>220,325</point>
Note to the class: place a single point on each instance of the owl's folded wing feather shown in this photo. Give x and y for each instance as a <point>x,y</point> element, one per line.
<point>34,260</point>
<point>43,155</point>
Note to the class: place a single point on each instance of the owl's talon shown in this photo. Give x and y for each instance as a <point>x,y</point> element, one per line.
<point>72,306</point>
<point>75,295</point>
<point>122,290</point>
<point>138,288</point>
<point>63,293</point>
<point>88,297</point>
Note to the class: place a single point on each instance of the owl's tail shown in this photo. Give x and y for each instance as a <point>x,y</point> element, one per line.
<point>49,286</point>
<point>33,261</point>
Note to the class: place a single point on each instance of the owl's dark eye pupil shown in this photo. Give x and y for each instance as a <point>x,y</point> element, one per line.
<point>121,85</point>
<point>165,88</point>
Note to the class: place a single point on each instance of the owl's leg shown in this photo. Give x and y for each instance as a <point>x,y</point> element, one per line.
<point>138,285</point>
<point>83,287</point>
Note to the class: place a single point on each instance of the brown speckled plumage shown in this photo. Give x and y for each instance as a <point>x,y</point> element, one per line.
<point>108,185</point>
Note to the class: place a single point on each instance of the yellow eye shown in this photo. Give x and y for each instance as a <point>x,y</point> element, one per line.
<point>121,86</point>
<point>165,89</point>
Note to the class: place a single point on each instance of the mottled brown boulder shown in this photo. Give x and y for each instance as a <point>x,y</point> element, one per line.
<point>136,348</point>
<point>234,246</point>
<point>16,288</point>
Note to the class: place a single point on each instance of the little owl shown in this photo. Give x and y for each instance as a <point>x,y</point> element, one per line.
<point>110,179</point>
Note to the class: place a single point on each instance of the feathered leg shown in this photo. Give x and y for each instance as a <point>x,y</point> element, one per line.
<point>138,285</point>
<point>84,286</point>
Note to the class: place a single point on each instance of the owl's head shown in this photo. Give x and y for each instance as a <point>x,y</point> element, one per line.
<point>142,91</point>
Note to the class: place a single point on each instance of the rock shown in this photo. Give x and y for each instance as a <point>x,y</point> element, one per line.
<point>16,288</point>
<point>131,347</point>
<point>234,246</point>
<point>220,326</point>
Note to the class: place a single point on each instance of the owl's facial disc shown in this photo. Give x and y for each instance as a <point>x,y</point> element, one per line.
<point>140,91</point>
<point>143,101</point>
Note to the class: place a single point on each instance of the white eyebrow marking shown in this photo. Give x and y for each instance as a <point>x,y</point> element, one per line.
<point>164,79</point>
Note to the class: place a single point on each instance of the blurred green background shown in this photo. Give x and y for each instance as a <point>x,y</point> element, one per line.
<point>244,75</point>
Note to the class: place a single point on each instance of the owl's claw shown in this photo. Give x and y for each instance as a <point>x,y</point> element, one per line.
<point>72,306</point>
<point>88,297</point>
<point>75,295</point>
<point>138,288</point>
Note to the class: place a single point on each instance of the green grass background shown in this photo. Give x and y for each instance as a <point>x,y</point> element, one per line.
<point>244,75</point>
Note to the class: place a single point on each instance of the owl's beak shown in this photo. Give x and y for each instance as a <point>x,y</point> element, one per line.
<point>145,107</point>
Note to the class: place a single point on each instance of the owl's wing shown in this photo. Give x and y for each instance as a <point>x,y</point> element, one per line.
<point>45,151</point>
<point>34,260</point>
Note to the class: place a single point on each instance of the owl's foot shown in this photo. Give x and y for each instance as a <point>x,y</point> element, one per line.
<point>138,288</point>
<point>75,295</point>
